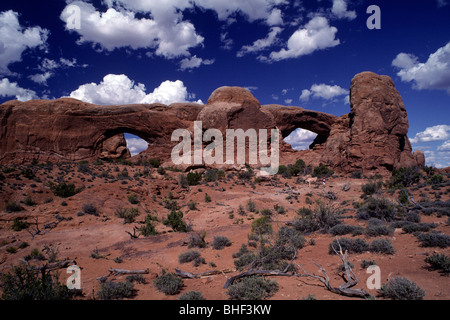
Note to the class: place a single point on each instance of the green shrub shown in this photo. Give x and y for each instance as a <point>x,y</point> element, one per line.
<point>193,178</point>
<point>378,230</point>
<point>128,215</point>
<point>211,175</point>
<point>383,246</point>
<point>252,288</point>
<point>439,262</point>
<point>29,202</point>
<point>380,208</point>
<point>91,209</point>
<point>169,283</point>
<point>342,229</point>
<point>262,226</point>
<point>192,205</point>
<point>207,198</point>
<point>133,198</point>
<point>371,187</point>
<point>435,179</point>
<point>322,171</point>
<point>323,218</point>
<point>148,229</point>
<point>110,290</point>
<point>175,220</point>
<point>63,189</point>
<point>266,212</point>
<point>411,227</point>
<point>197,240</point>
<point>25,283</point>
<point>188,256</point>
<point>399,288</point>
<point>405,177</point>
<point>19,224</point>
<point>220,242</point>
<point>251,206</point>
<point>433,239</point>
<point>351,245</point>
<point>191,295</point>
<point>291,237</point>
<point>13,206</point>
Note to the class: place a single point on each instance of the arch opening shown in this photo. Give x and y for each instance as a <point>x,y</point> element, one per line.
<point>135,144</point>
<point>302,139</point>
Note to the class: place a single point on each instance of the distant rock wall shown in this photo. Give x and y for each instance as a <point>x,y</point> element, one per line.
<point>373,136</point>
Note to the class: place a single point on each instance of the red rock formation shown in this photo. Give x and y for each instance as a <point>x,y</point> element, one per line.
<point>373,136</point>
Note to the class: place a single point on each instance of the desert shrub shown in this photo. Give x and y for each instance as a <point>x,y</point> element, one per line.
<point>290,236</point>
<point>412,217</point>
<point>169,283</point>
<point>399,288</point>
<point>251,206</point>
<point>192,205</point>
<point>262,226</point>
<point>383,246</point>
<point>252,288</point>
<point>83,167</point>
<point>188,256</point>
<point>418,227</point>
<point>183,181</point>
<point>371,187</point>
<point>191,295</point>
<point>405,177</point>
<point>29,202</point>
<point>220,242</point>
<point>439,262</point>
<point>13,206</point>
<point>380,208</point>
<point>63,189</point>
<point>435,179</point>
<point>89,208</point>
<point>110,290</point>
<point>266,212</point>
<point>161,171</point>
<point>375,230</point>
<point>342,229</point>
<point>323,218</point>
<point>25,283</point>
<point>197,240</point>
<point>19,224</point>
<point>148,229</point>
<point>207,198</point>
<point>128,215</point>
<point>305,212</point>
<point>133,198</point>
<point>136,278</point>
<point>351,245</point>
<point>243,257</point>
<point>175,220</point>
<point>193,178</point>
<point>211,175</point>
<point>280,209</point>
<point>322,171</point>
<point>367,263</point>
<point>171,204</point>
<point>433,239</point>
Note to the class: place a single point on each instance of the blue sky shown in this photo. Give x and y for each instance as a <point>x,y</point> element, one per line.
<point>302,53</point>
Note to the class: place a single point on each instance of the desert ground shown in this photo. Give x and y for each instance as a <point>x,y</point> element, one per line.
<point>86,227</point>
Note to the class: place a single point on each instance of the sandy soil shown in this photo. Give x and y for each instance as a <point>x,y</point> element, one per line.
<point>78,236</point>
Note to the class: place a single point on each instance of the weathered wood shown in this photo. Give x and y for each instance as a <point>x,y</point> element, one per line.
<point>189,275</point>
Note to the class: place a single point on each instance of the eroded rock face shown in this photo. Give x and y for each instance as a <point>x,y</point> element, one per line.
<point>373,136</point>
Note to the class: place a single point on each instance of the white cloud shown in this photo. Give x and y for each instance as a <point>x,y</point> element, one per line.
<point>41,78</point>
<point>120,28</point>
<point>12,89</point>
<point>317,34</point>
<point>119,89</point>
<point>339,9</point>
<point>436,158</point>
<point>300,139</point>
<point>261,44</point>
<point>432,74</point>
<point>49,67</point>
<point>435,133</point>
<point>136,145</point>
<point>275,18</point>
<point>445,146</point>
<point>323,91</point>
<point>194,62</point>
<point>14,39</point>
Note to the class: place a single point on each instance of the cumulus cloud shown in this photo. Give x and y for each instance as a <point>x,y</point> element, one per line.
<point>12,89</point>
<point>339,10</point>
<point>15,39</point>
<point>445,146</point>
<point>136,145</point>
<point>323,91</point>
<point>317,34</point>
<point>119,89</point>
<point>117,28</point>
<point>300,139</point>
<point>261,44</point>
<point>435,133</point>
<point>432,74</point>
<point>194,62</point>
